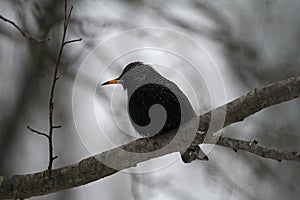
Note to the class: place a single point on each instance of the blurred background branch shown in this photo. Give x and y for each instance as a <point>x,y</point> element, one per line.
<point>28,36</point>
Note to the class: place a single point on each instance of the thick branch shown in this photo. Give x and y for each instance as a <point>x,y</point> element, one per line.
<point>92,168</point>
<point>244,106</point>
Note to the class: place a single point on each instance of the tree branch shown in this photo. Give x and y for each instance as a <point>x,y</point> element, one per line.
<point>51,128</point>
<point>93,168</point>
<point>37,132</point>
<point>54,81</point>
<point>254,101</point>
<point>28,36</point>
<point>71,41</point>
<point>53,85</point>
<point>252,147</point>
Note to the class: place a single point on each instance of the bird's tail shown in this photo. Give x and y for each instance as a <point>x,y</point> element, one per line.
<point>193,153</point>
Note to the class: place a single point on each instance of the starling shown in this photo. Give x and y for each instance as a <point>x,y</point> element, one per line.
<point>146,88</point>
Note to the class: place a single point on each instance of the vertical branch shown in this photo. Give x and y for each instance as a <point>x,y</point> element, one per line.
<point>54,81</point>
<point>55,78</point>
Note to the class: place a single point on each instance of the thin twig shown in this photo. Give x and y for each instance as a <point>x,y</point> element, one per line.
<point>71,41</point>
<point>54,81</point>
<point>252,147</point>
<point>55,78</point>
<point>69,16</point>
<point>37,132</point>
<point>28,36</point>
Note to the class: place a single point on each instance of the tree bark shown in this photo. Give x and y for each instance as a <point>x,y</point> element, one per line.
<point>114,160</point>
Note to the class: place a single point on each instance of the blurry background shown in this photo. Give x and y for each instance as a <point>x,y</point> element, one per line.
<point>252,43</point>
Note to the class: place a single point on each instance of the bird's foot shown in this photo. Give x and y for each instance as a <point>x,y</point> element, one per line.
<point>193,153</point>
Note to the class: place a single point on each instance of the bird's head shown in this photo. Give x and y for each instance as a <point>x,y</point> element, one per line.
<point>135,75</point>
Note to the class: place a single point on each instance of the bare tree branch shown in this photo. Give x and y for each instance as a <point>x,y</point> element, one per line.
<point>71,41</point>
<point>100,166</point>
<point>54,80</point>
<point>37,132</point>
<point>28,36</point>
<point>252,147</point>
<point>254,101</point>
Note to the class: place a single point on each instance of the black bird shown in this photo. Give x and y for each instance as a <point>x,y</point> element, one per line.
<point>146,88</point>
